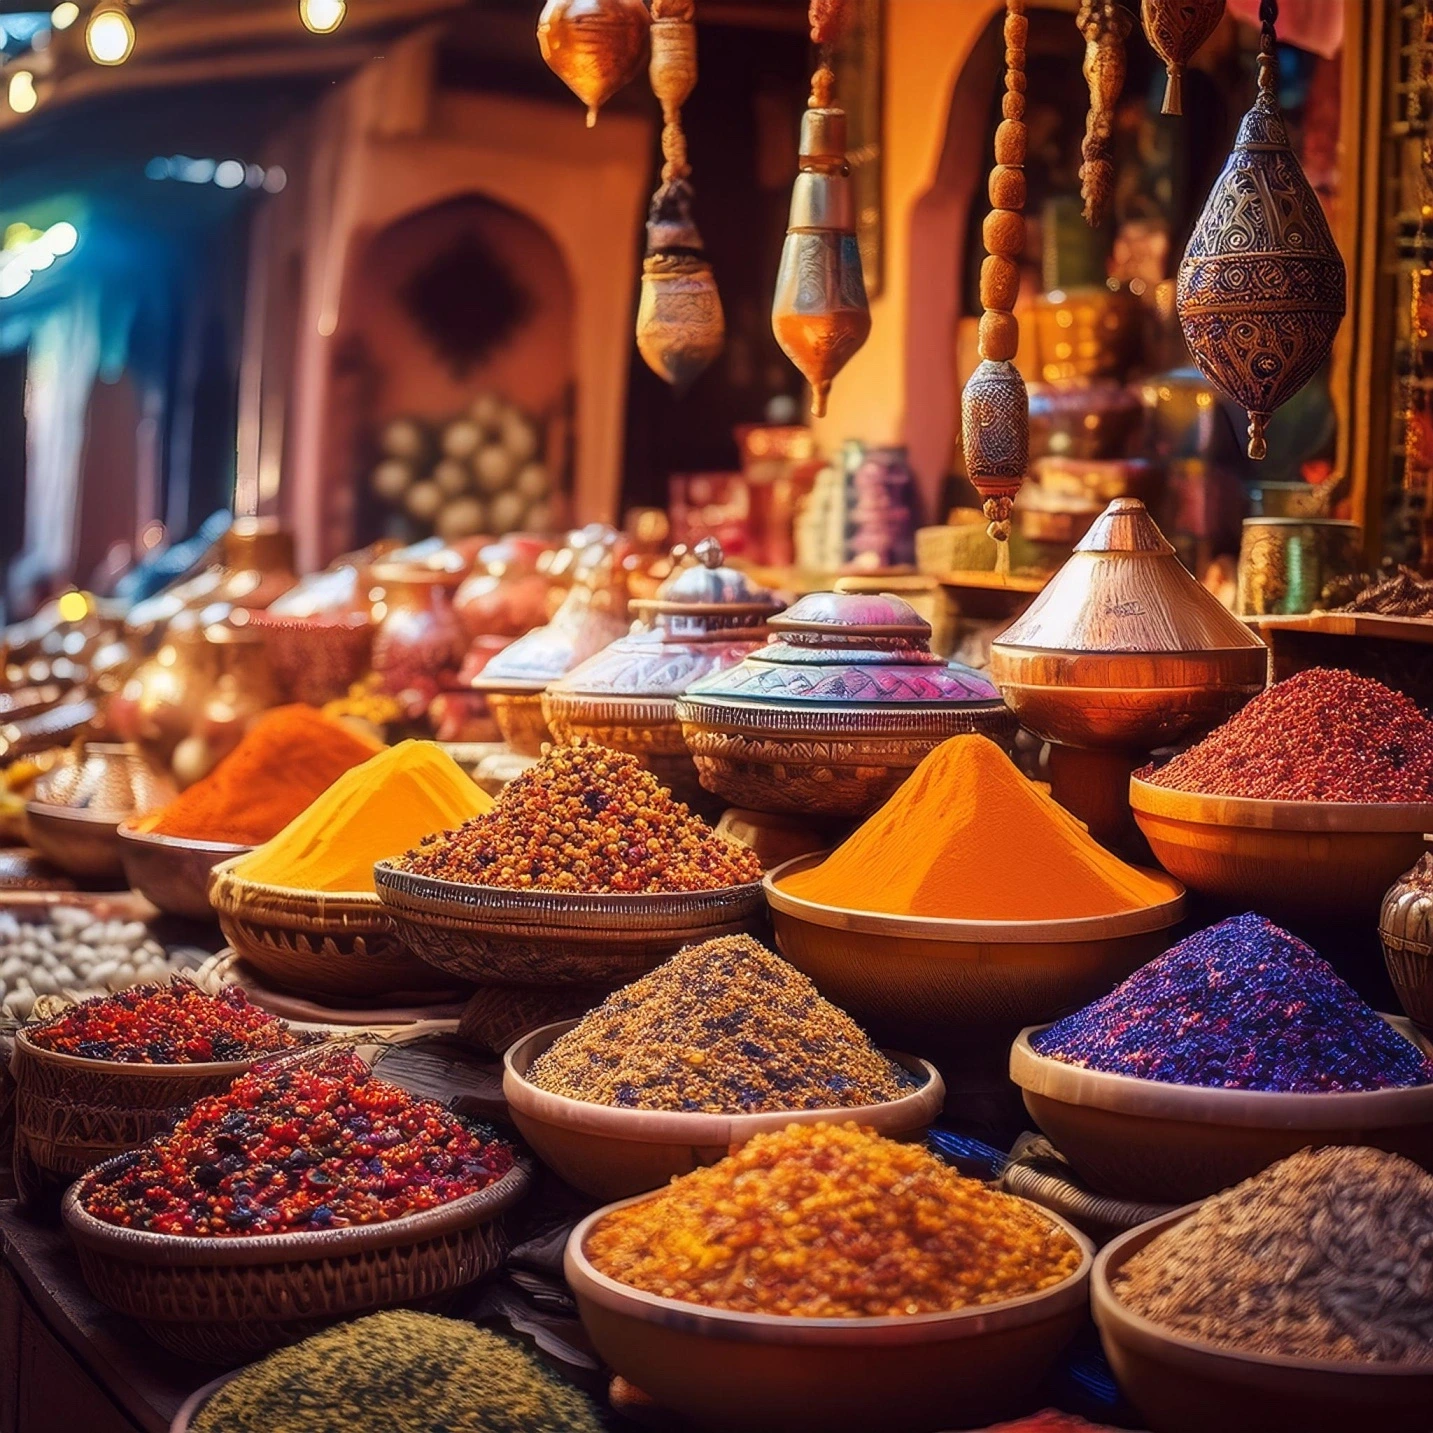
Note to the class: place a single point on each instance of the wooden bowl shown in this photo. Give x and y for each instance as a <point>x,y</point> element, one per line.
<point>1298,860</point>
<point>1165,1143</point>
<point>71,1112</point>
<point>609,1152</point>
<point>85,843</point>
<point>506,937</point>
<point>762,1373</point>
<point>934,983</point>
<point>320,943</point>
<point>520,718</point>
<point>1183,1385</point>
<point>225,1300</point>
<point>171,872</point>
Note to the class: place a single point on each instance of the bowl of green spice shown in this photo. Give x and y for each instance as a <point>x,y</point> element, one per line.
<point>721,1042</point>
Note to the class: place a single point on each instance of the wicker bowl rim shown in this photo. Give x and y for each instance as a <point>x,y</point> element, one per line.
<point>130,832</point>
<point>983,932</point>
<point>696,1128</point>
<point>210,1069</point>
<point>234,895</point>
<point>1204,1104</point>
<point>183,1250</point>
<point>1108,1309</point>
<point>889,1329</point>
<point>1244,811</point>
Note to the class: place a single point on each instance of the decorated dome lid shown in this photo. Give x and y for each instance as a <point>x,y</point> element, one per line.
<point>848,649</point>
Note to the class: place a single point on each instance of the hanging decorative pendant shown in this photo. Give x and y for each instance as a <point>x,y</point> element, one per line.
<point>595,47</point>
<point>680,326</point>
<point>995,408</point>
<point>1175,30</point>
<point>820,315</point>
<point>1261,287</point>
<point>1105,26</point>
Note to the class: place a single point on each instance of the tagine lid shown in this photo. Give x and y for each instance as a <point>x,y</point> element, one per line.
<point>848,649</point>
<point>1125,590</point>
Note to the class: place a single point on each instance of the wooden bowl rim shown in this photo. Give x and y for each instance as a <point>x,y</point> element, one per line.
<point>211,1069</point>
<point>130,833</point>
<point>1334,817</point>
<point>184,1250</point>
<point>696,1128</point>
<point>586,1280</point>
<point>230,894</point>
<point>1198,1355</point>
<point>80,815</point>
<point>184,1415</point>
<point>973,932</point>
<point>1202,1104</point>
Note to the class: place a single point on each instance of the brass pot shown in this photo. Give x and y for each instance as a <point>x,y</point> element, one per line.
<point>1405,926</point>
<point>1286,562</point>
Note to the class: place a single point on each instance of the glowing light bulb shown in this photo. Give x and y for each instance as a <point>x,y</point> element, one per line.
<point>109,37</point>
<point>21,92</point>
<point>13,277</point>
<point>74,607</point>
<point>63,16</point>
<point>323,17</point>
<point>62,238</point>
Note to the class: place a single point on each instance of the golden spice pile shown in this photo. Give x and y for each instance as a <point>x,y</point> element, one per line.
<point>587,819</point>
<point>832,1221</point>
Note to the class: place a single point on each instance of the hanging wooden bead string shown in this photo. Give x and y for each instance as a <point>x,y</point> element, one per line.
<point>1105,27</point>
<point>819,314</point>
<point>680,325</point>
<point>995,409</point>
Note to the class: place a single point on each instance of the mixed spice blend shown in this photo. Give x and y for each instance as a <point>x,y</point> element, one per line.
<point>587,819</point>
<point>1241,1005</point>
<point>1327,1254</point>
<point>1320,735</point>
<point>173,1024</point>
<point>725,1027</point>
<point>399,1372</point>
<point>832,1221</point>
<point>304,1144</point>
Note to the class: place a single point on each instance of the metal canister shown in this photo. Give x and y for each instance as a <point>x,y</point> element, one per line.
<point>1285,562</point>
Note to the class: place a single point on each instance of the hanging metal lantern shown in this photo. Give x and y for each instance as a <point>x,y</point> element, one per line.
<point>595,47</point>
<point>820,314</point>
<point>1175,30</point>
<point>1261,288</point>
<point>680,325</point>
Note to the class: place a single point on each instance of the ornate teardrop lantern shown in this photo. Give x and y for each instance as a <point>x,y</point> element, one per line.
<point>995,409</point>
<point>1175,30</point>
<point>1261,287</point>
<point>680,325</point>
<point>595,47</point>
<point>820,315</point>
<point>1105,26</point>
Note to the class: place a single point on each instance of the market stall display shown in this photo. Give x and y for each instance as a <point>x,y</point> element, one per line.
<point>1303,1324</point>
<point>308,1192</point>
<point>904,1275</point>
<point>1234,1048</point>
<point>722,1042</point>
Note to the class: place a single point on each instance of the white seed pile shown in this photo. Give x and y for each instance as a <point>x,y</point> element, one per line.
<point>74,954</point>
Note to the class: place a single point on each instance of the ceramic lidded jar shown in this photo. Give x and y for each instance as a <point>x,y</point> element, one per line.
<point>592,615</point>
<point>705,618</point>
<point>835,710</point>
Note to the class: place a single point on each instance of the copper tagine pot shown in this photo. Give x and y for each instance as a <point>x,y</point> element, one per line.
<point>1124,648</point>
<point>833,713</point>
<point>591,616</point>
<point>705,618</point>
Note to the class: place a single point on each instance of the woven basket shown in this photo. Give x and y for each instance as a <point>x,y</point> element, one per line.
<point>320,943</point>
<point>71,1113</point>
<point>227,1300</point>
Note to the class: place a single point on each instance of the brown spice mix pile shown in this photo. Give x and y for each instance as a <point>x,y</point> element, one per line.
<point>1327,1254</point>
<point>1320,735</point>
<point>587,819</point>
<point>725,1027</point>
<point>832,1221</point>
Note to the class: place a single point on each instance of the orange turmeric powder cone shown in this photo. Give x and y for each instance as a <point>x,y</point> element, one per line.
<point>967,837</point>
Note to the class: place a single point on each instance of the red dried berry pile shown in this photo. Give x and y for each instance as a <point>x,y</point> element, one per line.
<point>587,819</point>
<point>1322,735</point>
<point>174,1024</point>
<point>298,1146</point>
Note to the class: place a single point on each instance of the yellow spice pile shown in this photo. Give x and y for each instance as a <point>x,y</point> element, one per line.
<point>832,1221</point>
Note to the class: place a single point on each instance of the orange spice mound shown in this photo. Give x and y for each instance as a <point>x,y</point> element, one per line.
<point>967,837</point>
<point>287,758</point>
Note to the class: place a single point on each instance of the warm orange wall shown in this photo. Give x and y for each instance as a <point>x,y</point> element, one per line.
<point>927,42</point>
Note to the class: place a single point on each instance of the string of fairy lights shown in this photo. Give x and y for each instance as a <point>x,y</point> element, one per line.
<point>110,38</point>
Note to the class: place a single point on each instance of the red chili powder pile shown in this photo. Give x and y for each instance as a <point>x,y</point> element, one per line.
<point>1321,735</point>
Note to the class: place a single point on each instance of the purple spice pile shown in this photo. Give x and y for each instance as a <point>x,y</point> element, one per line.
<point>1241,1005</point>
